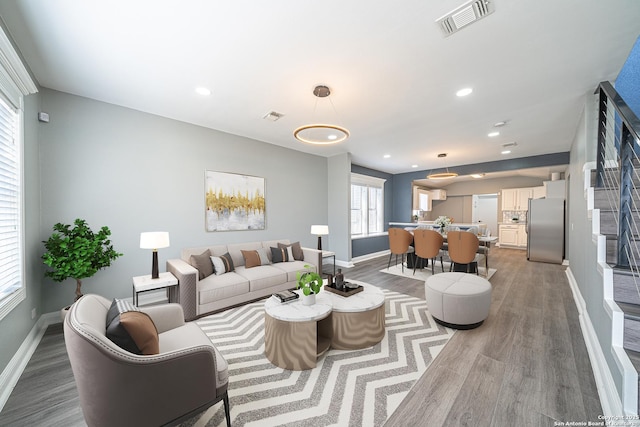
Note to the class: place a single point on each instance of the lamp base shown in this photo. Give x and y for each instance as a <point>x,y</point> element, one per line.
<point>154,265</point>
<point>319,243</point>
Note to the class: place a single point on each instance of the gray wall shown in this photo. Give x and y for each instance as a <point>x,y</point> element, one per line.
<point>17,324</point>
<point>137,172</point>
<point>339,179</point>
<point>582,251</point>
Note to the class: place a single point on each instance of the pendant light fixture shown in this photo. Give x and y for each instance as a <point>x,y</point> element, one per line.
<point>442,175</point>
<point>318,133</point>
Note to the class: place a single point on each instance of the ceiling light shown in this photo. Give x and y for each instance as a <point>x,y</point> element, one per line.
<point>477,175</point>
<point>414,166</point>
<point>505,152</point>
<point>442,175</point>
<point>321,134</point>
<point>203,91</point>
<point>492,134</point>
<point>499,124</point>
<point>464,92</point>
<point>386,156</point>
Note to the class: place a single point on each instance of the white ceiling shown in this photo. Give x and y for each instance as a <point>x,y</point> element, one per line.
<point>392,73</point>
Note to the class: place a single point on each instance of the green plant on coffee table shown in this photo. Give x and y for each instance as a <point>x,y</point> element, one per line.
<point>77,252</point>
<point>309,281</point>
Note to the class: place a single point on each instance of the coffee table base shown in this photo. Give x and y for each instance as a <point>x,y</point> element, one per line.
<point>357,330</point>
<point>296,345</point>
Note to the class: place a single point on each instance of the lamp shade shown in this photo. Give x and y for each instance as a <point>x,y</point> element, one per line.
<point>320,230</point>
<point>154,240</point>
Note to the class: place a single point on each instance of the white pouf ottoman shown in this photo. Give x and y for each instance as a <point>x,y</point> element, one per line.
<point>458,300</point>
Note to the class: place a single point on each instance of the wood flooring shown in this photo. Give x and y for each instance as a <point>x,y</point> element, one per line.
<point>527,365</point>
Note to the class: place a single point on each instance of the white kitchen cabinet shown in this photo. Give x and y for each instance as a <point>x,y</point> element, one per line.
<point>508,235</point>
<point>522,236</point>
<point>514,235</point>
<point>539,192</point>
<point>509,199</point>
<point>524,194</point>
<point>517,199</point>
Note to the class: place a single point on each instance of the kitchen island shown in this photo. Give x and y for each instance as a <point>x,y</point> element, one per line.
<point>460,225</point>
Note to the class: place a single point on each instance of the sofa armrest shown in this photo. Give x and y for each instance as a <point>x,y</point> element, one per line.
<point>187,277</point>
<point>313,256</point>
<point>165,316</point>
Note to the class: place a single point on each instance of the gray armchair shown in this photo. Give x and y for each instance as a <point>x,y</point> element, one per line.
<point>119,388</point>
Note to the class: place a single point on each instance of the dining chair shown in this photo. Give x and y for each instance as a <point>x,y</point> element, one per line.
<point>399,244</point>
<point>428,245</point>
<point>463,250</point>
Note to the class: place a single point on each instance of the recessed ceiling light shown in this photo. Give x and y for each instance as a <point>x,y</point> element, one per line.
<point>499,124</point>
<point>477,175</point>
<point>505,152</point>
<point>386,156</point>
<point>332,137</point>
<point>203,91</point>
<point>464,92</point>
<point>414,166</point>
<point>492,134</point>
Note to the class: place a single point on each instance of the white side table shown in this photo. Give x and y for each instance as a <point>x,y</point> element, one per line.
<point>165,281</point>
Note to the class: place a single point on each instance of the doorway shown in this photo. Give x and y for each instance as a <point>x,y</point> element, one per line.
<point>484,208</point>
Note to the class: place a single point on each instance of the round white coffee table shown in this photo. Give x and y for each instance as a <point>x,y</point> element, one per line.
<point>295,335</point>
<point>357,321</point>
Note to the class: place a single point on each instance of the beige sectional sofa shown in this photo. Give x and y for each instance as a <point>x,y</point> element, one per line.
<point>201,295</point>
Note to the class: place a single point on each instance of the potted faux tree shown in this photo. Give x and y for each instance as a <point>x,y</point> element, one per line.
<point>311,283</point>
<point>77,252</point>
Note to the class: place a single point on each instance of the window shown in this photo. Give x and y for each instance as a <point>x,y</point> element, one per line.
<point>10,202</point>
<point>367,205</point>
<point>15,82</point>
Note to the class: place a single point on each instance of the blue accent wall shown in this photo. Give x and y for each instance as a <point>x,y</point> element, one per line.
<point>628,80</point>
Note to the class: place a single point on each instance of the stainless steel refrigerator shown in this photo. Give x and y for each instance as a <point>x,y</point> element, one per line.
<point>545,230</point>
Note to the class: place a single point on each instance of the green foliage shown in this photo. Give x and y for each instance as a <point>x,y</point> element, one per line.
<point>309,281</point>
<point>77,252</point>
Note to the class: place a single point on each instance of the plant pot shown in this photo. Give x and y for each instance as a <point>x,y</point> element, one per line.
<point>309,299</point>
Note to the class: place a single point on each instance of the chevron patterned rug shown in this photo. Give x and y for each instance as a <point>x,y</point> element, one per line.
<point>347,388</point>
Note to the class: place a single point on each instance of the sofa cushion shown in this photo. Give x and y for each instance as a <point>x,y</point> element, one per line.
<point>251,259</point>
<point>131,329</point>
<point>222,264</point>
<point>215,288</point>
<point>296,249</point>
<point>189,335</point>
<point>202,263</point>
<point>263,277</point>
<point>291,268</point>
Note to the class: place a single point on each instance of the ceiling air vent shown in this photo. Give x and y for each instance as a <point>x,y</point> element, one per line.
<point>273,116</point>
<point>464,15</point>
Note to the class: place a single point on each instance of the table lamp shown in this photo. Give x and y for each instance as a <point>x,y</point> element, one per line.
<point>320,230</point>
<point>154,240</point>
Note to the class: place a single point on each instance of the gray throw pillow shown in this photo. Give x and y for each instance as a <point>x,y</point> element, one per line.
<point>298,255</point>
<point>202,263</point>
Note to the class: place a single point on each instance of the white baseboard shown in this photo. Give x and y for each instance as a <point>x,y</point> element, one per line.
<point>607,391</point>
<point>12,372</point>
<point>369,256</point>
